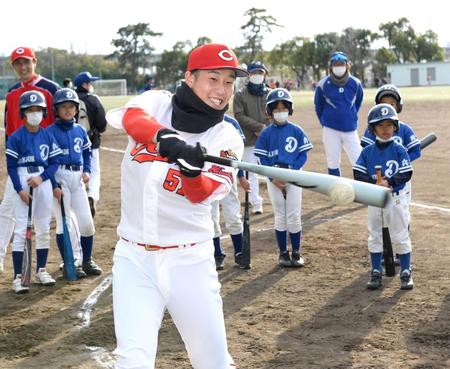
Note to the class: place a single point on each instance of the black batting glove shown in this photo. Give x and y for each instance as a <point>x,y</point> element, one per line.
<point>170,144</point>
<point>191,160</point>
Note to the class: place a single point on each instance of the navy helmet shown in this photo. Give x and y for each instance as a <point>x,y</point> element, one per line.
<point>32,98</point>
<point>338,56</point>
<point>256,65</point>
<point>380,113</point>
<point>389,90</point>
<point>279,94</point>
<point>65,95</point>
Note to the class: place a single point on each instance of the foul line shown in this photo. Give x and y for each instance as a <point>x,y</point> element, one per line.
<point>424,206</point>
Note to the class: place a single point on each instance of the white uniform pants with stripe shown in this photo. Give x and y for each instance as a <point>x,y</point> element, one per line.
<point>231,208</point>
<point>287,211</point>
<point>75,199</point>
<point>253,197</point>
<point>396,216</point>
<point>334,140</point>
<point>94,181</point>
<point>183,281</point>
<point>7,218</point>
<point>41,213</point>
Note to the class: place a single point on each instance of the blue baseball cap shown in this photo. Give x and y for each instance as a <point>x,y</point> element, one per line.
<point>256,65</point>
<point>338,56</point>
<point>84,77</point>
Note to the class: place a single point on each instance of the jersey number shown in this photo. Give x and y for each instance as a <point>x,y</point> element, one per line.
<point>172,182</point>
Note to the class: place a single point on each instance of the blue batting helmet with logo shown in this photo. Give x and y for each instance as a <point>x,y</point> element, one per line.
<point>389,90</point>
<point>279,94</point>
<point>65,95</point>
<point>32,98</point>
<point>381,112</point>
<point>338,56</point>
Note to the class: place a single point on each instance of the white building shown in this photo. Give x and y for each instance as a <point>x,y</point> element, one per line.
<point>419,74</point>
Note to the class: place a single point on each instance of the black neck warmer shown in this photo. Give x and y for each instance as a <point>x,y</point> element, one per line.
<point>190,114</point>
<point>340,81</point>
<point>257,90</point>
<point>65,125</point>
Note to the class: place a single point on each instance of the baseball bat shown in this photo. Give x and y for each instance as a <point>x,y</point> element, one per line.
<point>427,140</point>
<point>26,261</point>
<point>69,262</point>
<point>246,256</point>
<point>365,193</point>
<point>388,254</point>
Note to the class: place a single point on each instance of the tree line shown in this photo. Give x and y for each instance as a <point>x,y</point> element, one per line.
<point>301,58</point>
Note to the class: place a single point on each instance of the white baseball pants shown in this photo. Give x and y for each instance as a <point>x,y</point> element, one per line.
<point>396,216</point>
<point>334,140</point>
<point>231,207</point>
<point>95,178</point>
<point>183,281</point>
<point>7,220</point>
<point>41,212</point>
<point>253,197</point>
<point>287,211</point>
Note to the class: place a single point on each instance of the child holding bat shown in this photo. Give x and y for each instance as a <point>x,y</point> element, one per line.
<point>284,144</point>
<point>72,174</point>
<point>31,154</point>
<point>396,171</point>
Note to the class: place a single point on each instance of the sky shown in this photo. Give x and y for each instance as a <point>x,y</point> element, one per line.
<point>88,26</point>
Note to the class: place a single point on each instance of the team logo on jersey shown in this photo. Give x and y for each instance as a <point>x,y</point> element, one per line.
<point>77,143</point>
<point>291,144</point>
<point>218,170</point>
<point>228,154</point>
<point>398,139</point>
<point>226,55</point>
<point>341,90</point>
<point>44,150</point>
<point>146,153</point>
<point>392,168</point>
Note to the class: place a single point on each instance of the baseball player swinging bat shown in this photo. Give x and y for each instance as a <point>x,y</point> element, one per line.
<point>69,263</point>
<point>26,261</point>
<point>365,193</point>
<point>246,258</point>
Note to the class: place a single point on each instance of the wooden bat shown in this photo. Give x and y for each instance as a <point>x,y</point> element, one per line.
<point>246,255</point>
<point>69,262</point>
<point>427,140</point>
<point>365,193</point>
<point>388,254</point>
<point>26,261</point>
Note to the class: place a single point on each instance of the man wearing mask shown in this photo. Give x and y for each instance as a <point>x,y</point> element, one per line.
<point>337,100</point>
<point>24,61</point>
<point>249,110</point>
<point>96,125</point>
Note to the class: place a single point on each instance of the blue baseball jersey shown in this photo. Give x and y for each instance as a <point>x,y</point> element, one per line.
<point>405,136</point>
<point>393,159</point>
<point>74,143</point>
<point>31,149</point>
<point>283,145</point>
<point>337,106</point>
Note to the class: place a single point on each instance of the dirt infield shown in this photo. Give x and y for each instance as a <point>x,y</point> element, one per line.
<point>320,316</point>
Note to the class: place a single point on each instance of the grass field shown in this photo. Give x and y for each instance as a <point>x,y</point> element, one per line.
<point>306,98</point>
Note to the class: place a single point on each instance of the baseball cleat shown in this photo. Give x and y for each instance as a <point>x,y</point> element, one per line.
<point>375,280</point>
<point>43,278</point>
<point>297,260</point>
<point>91,268</point>
<point>406,281</point>
<point>17,285</point>
<point>257,210</point>
<point>220,262</point>
<point>284,260</point>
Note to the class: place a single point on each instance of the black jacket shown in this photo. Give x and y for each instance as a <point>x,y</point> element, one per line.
<point>96,114</point>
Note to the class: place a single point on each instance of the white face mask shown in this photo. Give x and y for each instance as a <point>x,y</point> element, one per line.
<point>256,79</point>
<point>281,117</point>
<point>34,118</point>
<point>91,89</point>
<point>339,71</point>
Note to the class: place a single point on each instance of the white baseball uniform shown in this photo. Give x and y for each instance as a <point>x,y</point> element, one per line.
<point>164,258</point>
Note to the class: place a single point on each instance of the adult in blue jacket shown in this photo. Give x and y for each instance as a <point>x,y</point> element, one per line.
<point>337,100</point>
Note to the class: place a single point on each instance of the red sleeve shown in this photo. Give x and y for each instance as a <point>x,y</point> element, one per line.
<point>198,188</point>
<point>140,126</point>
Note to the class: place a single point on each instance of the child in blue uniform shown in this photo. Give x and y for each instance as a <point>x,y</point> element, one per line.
<point>396,172</point>
<point>284,144</point>
<point>31,155</point>
<point>72,174</point>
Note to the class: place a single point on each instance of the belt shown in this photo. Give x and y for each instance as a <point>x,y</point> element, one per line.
<point>158,248</point>
<point>32,169</point>
<point>71,167</point>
